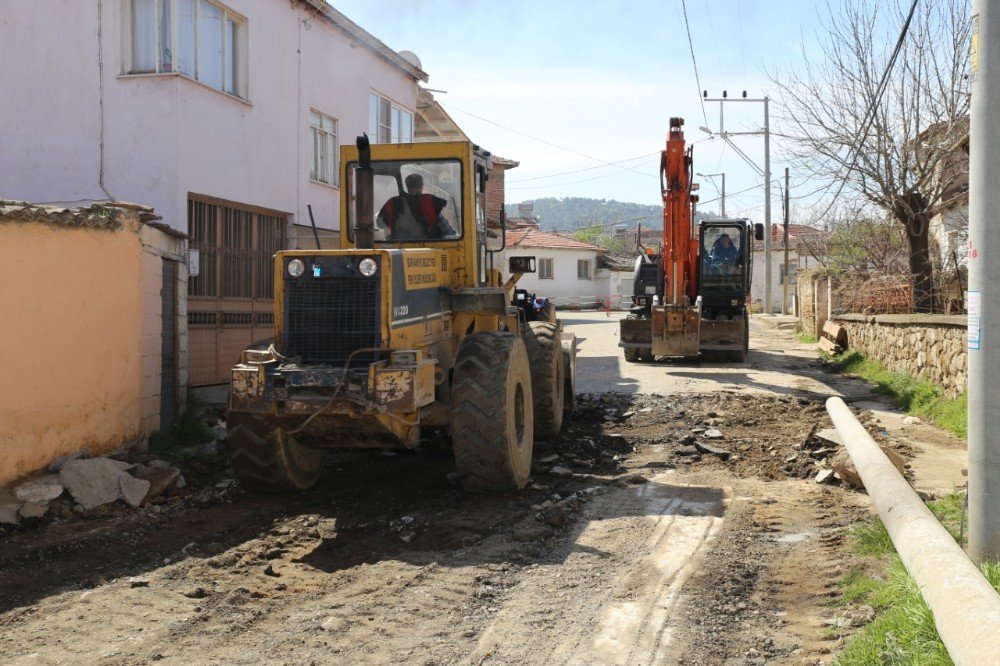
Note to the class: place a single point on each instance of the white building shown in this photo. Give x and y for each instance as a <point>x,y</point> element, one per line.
<point>567,269</point>
<point>779,272</point>
<point>225,116</point>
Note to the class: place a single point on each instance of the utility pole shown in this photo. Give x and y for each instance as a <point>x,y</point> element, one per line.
<point>722,198</point>
<point>983,300</point>
<point>784,285</point>
<point>767,172</point>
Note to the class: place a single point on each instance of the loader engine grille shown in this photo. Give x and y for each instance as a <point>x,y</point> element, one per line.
<point>328,318</point>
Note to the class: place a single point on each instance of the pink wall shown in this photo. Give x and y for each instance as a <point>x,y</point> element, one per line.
<point>165,135</point>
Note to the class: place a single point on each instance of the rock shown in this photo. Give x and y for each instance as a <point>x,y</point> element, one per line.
<point>723,454</point>
<point>156,463</point>
<point>220,432</point>
<point>549,459</point>
<point>9,514</point>
<point>530,532</point>
<point>226,483</point>
<point>334,624</point>
<point>628,414</point>
<point>161,479</point>
<point>712,433</point>
<point>830,435</point>
<point>210,448</point>
<point>57,464</point>
<point>269,571</point>
<point>557,517</point>
<point>911,420</point>
<point>406,536</point>
<point>195,593</point>
<point>132,490</point>
<point>94,481</point>
<point>181,483</point>
<point>633,479</point>
<point>824,476</point>
<point>137,582</point>
<point>33,510</point>
<point>844,466</point>
<point>687,451</point>
<point>561,471</point>
<point>43,489</point>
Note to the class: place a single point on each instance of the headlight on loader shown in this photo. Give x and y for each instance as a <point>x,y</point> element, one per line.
<point>296,267</point>
<point>368,267</point>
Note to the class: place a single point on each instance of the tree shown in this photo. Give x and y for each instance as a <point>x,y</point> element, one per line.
<point>893,149</point>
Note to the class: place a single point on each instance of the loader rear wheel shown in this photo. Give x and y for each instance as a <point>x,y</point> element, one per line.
<point>548,385</point>
<point>548,312</point>
<point>492,414</point>
<point>267,459</point>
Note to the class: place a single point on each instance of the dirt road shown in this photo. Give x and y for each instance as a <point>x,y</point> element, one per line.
<point>630,546</point>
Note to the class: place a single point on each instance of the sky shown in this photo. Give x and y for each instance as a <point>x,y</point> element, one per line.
<point>566,88</point>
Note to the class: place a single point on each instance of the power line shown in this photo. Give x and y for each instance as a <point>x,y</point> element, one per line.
<point>599,166</point>
<point>694,62</point>
<point>572,182</point>
<point>547,143</point>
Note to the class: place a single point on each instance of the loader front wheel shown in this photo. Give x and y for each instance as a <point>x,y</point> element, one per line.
<point>541,340</point>
<point>492,413</point>
<point>267,459</point>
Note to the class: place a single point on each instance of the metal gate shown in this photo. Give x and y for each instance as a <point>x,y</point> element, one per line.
<point>231,300</point>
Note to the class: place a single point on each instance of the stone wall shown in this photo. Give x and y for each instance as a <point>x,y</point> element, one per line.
<point>930,345</point>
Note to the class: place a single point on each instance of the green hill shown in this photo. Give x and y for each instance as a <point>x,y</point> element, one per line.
<point>570,213</point>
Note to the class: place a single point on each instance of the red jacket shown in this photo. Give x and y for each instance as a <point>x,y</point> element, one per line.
<point>427,212</point>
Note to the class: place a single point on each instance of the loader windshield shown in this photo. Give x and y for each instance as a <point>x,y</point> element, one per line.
<point>414,201</point>
<point>722,258</point>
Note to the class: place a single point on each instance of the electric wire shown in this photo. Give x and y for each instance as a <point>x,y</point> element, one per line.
<point>599,166</point>
<point>547,143</point>
<point>697,79</point>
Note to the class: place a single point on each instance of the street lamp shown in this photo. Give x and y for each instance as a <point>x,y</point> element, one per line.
<point>723,192</point>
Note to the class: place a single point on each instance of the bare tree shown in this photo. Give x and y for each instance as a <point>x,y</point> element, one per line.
<point>893,150</point>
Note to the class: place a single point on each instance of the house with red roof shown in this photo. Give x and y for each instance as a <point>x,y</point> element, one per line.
<point>798,259</point>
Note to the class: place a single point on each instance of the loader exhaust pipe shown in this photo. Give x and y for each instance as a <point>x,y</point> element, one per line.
<point>364,195</point>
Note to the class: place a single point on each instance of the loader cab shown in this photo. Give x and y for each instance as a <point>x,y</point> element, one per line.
<point>725,263</point>
<point>429,195</point>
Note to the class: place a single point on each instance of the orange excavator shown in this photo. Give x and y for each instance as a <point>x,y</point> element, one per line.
<point>691,297</point>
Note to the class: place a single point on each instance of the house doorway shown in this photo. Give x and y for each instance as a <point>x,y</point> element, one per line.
<point>231,299</point>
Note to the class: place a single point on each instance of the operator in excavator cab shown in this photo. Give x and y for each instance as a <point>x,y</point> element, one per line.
<point>724,253</point>
<point>414,216</point>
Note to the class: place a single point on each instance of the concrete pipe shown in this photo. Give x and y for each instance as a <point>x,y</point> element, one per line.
<point>966,608</point>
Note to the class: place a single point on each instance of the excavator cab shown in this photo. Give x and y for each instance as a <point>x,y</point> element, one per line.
<point>725,265</point>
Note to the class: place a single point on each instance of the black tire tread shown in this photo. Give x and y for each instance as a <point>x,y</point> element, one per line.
<point>267,460</point>
<point>480,435</point>
<point>541,340</point>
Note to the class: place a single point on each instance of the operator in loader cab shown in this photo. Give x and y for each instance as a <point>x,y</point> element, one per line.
<point>414,215</point>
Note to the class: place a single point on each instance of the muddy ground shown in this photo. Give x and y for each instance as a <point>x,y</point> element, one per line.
<point>633,544</point>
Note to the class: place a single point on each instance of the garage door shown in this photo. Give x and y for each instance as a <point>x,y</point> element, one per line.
<point>230,301</point>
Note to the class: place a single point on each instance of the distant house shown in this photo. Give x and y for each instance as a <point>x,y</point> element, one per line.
<point>568,272</point>
<point>949,229</point>
<point>798,259</point>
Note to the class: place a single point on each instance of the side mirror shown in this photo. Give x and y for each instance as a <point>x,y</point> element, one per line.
<point>521,264</point>
<point>758,231</point>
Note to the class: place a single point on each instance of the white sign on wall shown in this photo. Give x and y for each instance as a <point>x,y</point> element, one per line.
<point>194,263</point>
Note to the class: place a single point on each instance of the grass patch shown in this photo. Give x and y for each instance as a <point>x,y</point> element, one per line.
<point>187,431</point>
<point>807,338</point>
<point>903,630</point>
<point>919,397</point>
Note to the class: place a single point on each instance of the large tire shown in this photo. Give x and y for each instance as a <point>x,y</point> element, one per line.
<point>569,373</point>
<point>631,354</point>
<point>548,312</point>
<point>268,460</point>
<point>492,415</point>
<point>541,340</point>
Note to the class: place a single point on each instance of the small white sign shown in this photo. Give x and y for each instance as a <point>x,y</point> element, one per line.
<point>194,263</point>
<point>973,303</point>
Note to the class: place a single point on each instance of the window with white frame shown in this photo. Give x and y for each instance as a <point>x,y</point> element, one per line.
<point>546,269</point>
<point>197,38</point>
<point>388,122</point>
<point>324,167</point>
<point>583,269</point>
<point>786,272</point>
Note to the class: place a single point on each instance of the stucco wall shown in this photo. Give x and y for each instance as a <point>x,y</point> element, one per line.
<point>79,339</point>
<point>930,345</point>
